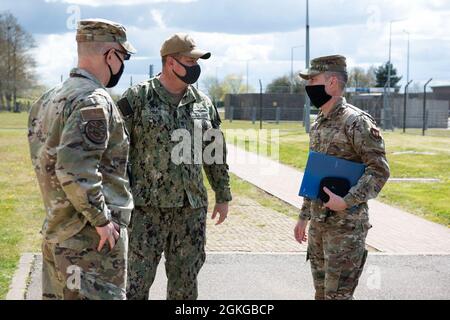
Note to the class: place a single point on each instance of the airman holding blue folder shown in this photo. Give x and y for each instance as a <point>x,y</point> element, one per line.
<point>339,227</point>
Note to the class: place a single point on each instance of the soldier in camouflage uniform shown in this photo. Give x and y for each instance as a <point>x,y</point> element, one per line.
<point>170,197</point>
<point>338,228</point>
<point>79,150</point>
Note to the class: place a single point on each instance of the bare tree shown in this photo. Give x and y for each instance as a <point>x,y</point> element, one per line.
<point>361,78</point>
<point>214,88</point>
<point>16,63</point>
<point>283,85</point>
<point>232,83</point>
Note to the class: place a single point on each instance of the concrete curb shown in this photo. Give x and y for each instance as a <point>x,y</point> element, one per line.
<point>21,277</point>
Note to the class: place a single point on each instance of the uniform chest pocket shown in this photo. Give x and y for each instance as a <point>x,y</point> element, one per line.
<point>202,124</point>
<point>151,117</point>
<point>327,137</point>
<point>322,138</point>
<point>339,144</point>
<point>201,120</point>
<point>156,119</point>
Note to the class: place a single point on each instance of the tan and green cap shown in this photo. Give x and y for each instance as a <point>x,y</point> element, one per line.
<point>335,63</point>
<point>183,44</point>
<point>101,30</point>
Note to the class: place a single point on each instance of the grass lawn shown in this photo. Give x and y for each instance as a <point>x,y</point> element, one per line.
<point>21,208</point>
<point>241,188</point>
<point>409,155</point>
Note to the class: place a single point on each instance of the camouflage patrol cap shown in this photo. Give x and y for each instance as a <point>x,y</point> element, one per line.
<point>183,44</point>
<point>335,63</point>
<point>101,30</point>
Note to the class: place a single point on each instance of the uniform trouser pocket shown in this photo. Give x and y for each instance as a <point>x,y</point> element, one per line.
<point>345,256</point>
<point>85,273</point>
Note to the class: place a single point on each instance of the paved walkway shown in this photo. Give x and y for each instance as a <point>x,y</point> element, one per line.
<point>394,230</point>
<point>287,276</point>
<point>252,228</point>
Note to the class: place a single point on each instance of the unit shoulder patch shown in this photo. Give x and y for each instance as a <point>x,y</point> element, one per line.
<point>96,131</point>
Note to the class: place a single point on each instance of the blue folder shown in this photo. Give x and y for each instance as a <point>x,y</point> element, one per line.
<point>321,166</point>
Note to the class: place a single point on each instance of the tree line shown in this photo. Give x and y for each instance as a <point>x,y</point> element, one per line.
<point>358,78</point>
<point>17,75</point>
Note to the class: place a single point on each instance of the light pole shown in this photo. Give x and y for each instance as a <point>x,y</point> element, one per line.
<point>388,111</point>
<point>408,56</point>
<point>407,66</point>
<point>292,68</point>
<point>307,102</point>
<point>150,71</point>
<point>247,62</point>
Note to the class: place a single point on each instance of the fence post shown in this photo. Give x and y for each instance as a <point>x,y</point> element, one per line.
<point>231,113</point>
<point>260,105</point>
<point>425,107</point>
<point>278,115</point>
<point>253,115</point>
<point>404,106</point>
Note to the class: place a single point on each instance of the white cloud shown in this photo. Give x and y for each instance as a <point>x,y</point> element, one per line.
<point>157,16</point>
<point>55,56</point>
<point>98,3</point>
<point>365,44</point>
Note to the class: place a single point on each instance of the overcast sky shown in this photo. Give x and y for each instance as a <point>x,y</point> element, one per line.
<point>262,31</point>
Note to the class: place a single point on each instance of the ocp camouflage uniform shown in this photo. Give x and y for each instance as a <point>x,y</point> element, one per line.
<point>336,246</point>
<point>171,199</point>
<point>79,150</point>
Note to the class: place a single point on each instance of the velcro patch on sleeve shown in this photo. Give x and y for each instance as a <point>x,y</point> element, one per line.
<point>93,113</point>
<point>125,107</point>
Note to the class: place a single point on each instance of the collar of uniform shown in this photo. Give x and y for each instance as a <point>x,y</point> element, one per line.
<point>337,106</point>
<point>189,97</point>
<point>85,74</point>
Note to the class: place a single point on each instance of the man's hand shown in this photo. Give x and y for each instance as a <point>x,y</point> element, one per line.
<point>300,231</point>
<point>117,227</point>
<point>109,233</point>
<point>222,210</point>
<point>335,203</point>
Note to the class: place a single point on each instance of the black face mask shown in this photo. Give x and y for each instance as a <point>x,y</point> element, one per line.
<point>318,95</point>
<point>114,78</point>
<point>192,73</point>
